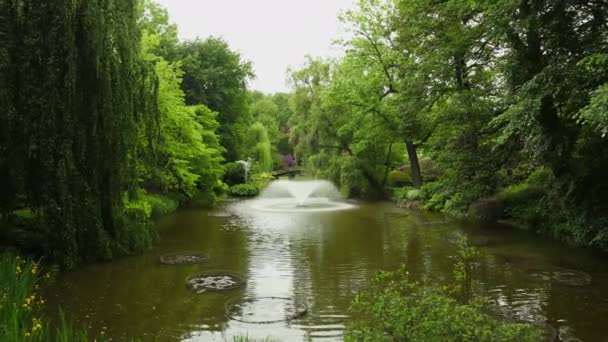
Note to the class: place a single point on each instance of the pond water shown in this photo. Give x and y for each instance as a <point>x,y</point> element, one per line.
<point>309,265</point>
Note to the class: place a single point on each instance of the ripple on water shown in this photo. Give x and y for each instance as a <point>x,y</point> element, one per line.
<point>264,310</point>
<point>563,276</point>
<point>326,325</point>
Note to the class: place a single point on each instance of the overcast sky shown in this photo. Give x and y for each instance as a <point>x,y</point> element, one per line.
<point>273,34</point>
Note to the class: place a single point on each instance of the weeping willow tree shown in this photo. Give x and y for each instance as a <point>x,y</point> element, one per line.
<point>261,147</point>
<point>74,93</point>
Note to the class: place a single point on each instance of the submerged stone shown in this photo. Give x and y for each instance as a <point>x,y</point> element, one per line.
<point>213,281</point>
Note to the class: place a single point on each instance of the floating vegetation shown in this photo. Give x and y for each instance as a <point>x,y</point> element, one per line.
<point>183,258</point>
<point>214,281</point>
<point>264,310</point>
<point>563,276</point>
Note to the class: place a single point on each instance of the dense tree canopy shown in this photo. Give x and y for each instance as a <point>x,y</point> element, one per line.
<point>217,77</point>
<point>494,92</point>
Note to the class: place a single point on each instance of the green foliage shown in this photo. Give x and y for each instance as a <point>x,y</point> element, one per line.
<point>542,177</point>
<point>244,190</point>
<point>491,93</point>
<point>431,170</point>
<point>160,204</point>
<point>186,155</point>
<point>74,92</point>
<point>22,307</point>
<point>398,178</point>
<point>234,174</point>
<point>394,308</point>
<point>216,77</point>
<point>261,179</point>
<point>464,268</point>
<point>261,150</point>
<point>341,127</point>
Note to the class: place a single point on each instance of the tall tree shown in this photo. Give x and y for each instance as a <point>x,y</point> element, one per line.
<point>74,89</point>
<point>217,77</point>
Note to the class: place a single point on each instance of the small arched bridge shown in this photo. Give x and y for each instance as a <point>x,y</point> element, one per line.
<point>289,173</point>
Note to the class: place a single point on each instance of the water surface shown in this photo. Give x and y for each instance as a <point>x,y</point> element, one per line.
<point>321,260</point>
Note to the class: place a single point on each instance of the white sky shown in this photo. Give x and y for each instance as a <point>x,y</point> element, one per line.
<point>273,34</point>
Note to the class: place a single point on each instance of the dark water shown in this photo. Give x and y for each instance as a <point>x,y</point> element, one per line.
<point>320,260</point>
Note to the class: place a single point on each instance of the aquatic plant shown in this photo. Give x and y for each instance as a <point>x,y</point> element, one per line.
<point>396,308</point>
<point>21,305</point>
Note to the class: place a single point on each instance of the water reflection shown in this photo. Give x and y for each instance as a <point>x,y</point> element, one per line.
<point>322,260</point>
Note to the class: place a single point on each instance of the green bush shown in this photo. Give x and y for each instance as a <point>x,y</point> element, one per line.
<point>430,170</point>
<point>234,174</point>
<point>398,178</point>
<point>160,204</point>
<point>434,195</point>
<point>261,179</point>
<point>407,193</point>
<point>202,199</point>
<point>542,177</point>
<point>521,193</point>
<point>244,190</point>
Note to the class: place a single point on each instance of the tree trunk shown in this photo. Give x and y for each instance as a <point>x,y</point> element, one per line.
<point>414,164</point>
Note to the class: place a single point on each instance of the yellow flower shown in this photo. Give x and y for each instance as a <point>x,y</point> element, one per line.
<point>27,334</point>
<point>34,270</point>
<point>18,270</point>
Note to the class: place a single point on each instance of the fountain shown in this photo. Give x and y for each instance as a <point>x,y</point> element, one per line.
<point>300,196</point>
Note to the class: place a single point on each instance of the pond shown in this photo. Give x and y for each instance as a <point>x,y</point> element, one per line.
<point>302,269</point>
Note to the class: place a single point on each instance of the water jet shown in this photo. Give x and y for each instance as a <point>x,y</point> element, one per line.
<point>300,196</point>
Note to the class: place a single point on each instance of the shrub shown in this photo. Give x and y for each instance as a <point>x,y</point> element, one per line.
<point>244,190</point>
<point>407,193</point>
<point>435,195</point>
<point>542,177</point>
<point>261,179</point>
<point>521,193</point>
<point>202,199</point>
<point>160,204</point>
<point>398,178</point>
<point>234,174</point>
<point>430,170</point>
